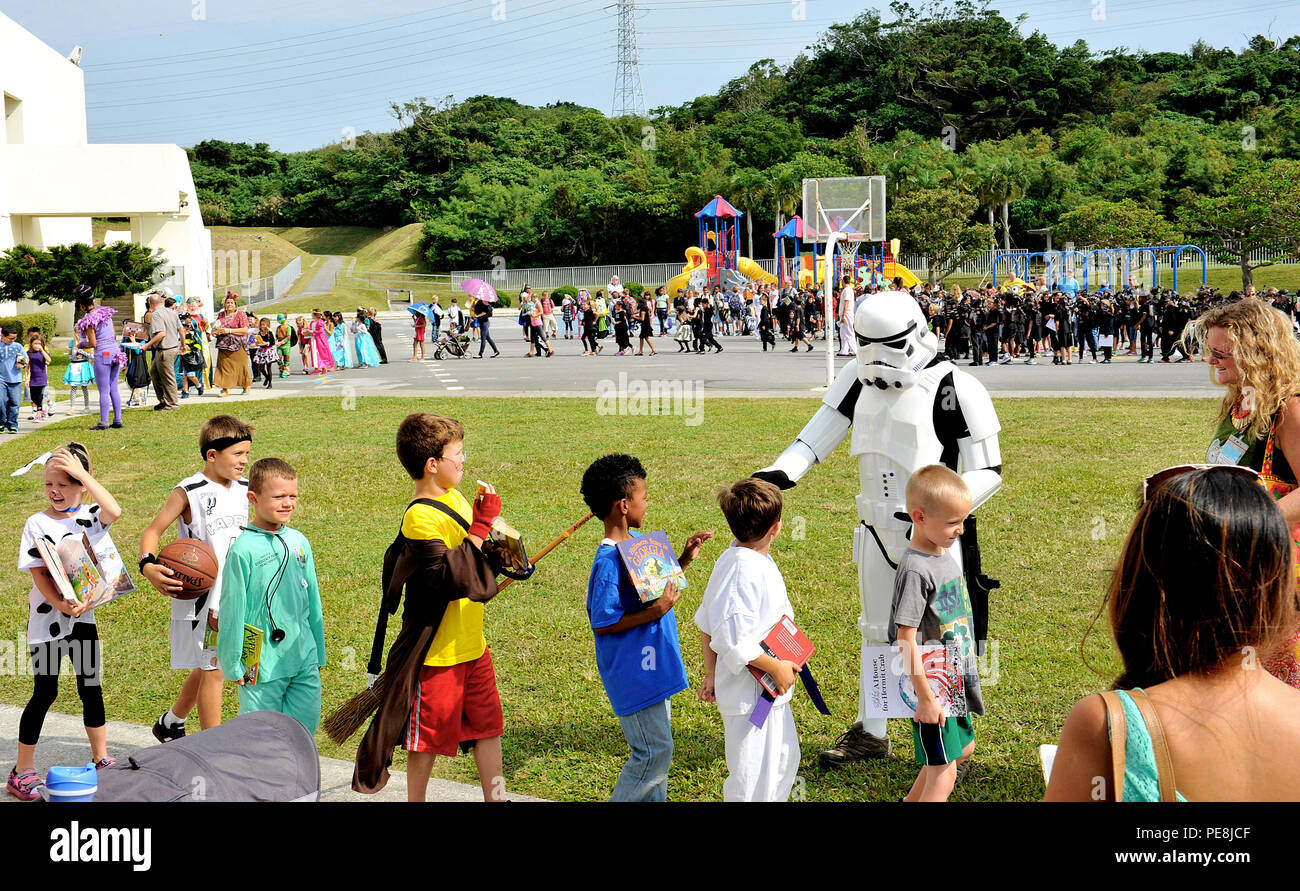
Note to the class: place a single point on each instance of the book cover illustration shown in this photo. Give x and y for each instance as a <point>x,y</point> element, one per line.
<point>86,571</point>
<point>651,563</point>
<point>891,694</point>
<point>787,643</point>
<point>251,653</point>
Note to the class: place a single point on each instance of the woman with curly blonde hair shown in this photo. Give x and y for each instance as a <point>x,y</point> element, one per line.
<point>1253,353</point>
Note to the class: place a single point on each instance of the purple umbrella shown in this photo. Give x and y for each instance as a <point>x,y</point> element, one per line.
<point>479,289</point>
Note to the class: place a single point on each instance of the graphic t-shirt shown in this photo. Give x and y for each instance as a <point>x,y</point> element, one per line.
<point>44,622</point>
<point>930,595</point>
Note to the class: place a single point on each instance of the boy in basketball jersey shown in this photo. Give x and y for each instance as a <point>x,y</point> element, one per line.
<point>212,506</point>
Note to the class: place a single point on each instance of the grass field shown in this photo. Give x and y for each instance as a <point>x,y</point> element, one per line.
<point>1050,535</point>
<point>387,250</point>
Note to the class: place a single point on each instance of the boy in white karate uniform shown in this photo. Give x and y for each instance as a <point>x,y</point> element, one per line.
<point>744,601</point>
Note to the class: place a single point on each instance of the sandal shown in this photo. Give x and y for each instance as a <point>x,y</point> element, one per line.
<point>25,786</point>
<point>102,763</point>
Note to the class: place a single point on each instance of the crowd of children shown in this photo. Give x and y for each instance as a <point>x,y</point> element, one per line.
<point>444,695</point>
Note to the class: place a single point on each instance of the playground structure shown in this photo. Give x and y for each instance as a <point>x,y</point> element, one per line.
<point>717,259</point>
<point>806,269</point>
<point>1117,264</point>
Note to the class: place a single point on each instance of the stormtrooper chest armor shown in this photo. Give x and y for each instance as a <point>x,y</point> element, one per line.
<point>893,434</point>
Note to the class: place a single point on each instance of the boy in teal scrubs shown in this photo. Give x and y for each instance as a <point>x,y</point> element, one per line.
<point>269,583</point>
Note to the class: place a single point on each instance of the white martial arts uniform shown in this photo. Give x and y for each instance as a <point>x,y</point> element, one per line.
<point>744,600</point>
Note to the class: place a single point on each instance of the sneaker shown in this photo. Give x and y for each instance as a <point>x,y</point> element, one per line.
<point>855,745</point>
<point>1030,362</point>
<point>163,733</point>
<point>110,761</point>
<point>25,786</point>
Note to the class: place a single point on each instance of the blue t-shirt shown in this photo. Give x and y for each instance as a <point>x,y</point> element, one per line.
<point>640,666</point>
<point>10,373</point>
<point>1070,287</point>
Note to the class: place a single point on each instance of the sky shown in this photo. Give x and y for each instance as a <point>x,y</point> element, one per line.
<point>298,74</point>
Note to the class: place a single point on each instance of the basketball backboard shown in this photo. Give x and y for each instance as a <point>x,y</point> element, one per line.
<point>854,205</point>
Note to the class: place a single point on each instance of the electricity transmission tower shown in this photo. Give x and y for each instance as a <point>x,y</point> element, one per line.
<point>628,99</point>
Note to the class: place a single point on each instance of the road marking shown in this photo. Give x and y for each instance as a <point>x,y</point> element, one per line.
<point>455,388</point>
<point>450,380</point>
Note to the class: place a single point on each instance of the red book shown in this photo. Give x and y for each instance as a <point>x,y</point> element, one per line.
<point>787,643</point>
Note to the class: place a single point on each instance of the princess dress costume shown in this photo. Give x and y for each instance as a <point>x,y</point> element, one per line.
<point>322,356</point>
<point>350,345</point>
<point>367,354</point>
<point>338,347</point>
<point>79,373</point>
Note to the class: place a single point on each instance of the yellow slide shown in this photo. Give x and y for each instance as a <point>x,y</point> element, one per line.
<point>694,260</point>
<point>750,269</point>
<point>891,269</point>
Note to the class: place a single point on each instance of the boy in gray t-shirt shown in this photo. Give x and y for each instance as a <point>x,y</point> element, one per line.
<point>931,605</point>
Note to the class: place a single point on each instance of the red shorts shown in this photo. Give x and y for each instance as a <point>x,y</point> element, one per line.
<point>454,704</point>
<point>419,335</point>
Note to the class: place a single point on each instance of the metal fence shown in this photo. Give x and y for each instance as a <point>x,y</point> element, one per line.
<point>507,279</point>
<point>264,289</point>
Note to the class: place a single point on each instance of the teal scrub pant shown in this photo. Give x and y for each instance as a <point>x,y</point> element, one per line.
<point>297,696</point>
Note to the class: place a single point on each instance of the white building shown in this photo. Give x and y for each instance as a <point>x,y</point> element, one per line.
<point>52,181</point>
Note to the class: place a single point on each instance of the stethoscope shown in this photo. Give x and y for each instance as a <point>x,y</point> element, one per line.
<point>277,634</point>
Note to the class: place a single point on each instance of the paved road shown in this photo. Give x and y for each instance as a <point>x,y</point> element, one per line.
<point>323,280</point>
<point>742,370</point>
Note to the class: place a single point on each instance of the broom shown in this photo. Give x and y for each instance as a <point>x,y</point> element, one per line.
<point>348,718</point>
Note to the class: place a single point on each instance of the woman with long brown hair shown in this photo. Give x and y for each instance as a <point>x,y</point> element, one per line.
<point>1205,586</point>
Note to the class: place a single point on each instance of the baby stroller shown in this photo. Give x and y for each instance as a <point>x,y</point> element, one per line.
<point>455,344</point>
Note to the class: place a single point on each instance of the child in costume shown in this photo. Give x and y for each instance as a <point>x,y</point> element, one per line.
<point>322,355</point>
<point>267,352</point>
<point>58,627</point>
<point>931,605</point>
<point>38,362</point>
<point>212,506</point>
<point>614,487</point>
<point>440,689</point>
<point>417,345</point>
<point>744,601</point>
<point>79,375</point>
<point>285,338</point>
<point>339,343</point>
<point>305,345</point>
<point>269,583</point>
<point>367,355</point>
<point>191,358</point>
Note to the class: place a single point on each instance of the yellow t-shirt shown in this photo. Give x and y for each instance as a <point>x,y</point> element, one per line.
<point>460,636</point>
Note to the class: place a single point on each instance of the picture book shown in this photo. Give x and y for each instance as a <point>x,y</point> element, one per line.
<point>251,654</point>
<point>651,563</point>
<point>86,571</point>
<point>890,692</point>
<point>787,643</point>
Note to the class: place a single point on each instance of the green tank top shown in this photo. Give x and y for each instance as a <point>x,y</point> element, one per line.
<point>1141,776</point>
<point>1253,457</point>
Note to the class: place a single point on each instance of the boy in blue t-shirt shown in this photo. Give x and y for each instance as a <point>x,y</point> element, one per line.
<point>637,651</point>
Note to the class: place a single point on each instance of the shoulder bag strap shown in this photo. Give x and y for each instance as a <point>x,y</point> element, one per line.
<point>1118,739</point>
<point>446,509</point>
<point>1164,764</point>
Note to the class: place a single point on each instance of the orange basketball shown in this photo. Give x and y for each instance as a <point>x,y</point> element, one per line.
<point>194,564</point>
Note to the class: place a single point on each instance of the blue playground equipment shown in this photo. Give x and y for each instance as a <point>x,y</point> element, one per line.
<point>1123,257</point>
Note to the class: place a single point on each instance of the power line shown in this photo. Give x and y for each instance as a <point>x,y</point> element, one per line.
<point>628,98</point>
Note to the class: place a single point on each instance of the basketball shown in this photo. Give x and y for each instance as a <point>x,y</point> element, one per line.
<point>194,564</point>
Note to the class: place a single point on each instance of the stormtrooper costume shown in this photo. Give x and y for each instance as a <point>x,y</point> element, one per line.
<point>904,410</point>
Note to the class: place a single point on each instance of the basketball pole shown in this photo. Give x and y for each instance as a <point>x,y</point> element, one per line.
<point>829,294</point>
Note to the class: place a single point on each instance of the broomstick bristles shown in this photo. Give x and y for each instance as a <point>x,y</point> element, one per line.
<point>348,718</point>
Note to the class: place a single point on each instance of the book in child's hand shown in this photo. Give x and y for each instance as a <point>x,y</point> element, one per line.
<point>85,571</point>
<point>891,694</point>
<point>786,643</point>
<point>651,564</point>
<point>251,654</point>
<point>510,545</point>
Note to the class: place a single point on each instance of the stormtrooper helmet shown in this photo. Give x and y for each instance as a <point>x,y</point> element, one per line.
<point>894,342</point>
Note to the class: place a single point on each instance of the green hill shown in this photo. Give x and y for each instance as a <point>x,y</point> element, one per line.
<point>385,250</point>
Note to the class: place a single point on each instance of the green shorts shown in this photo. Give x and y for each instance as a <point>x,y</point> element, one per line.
<point>935,746</point>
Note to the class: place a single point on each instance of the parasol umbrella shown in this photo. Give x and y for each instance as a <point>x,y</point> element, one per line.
<point>421,308</point>
<point>479,289</point>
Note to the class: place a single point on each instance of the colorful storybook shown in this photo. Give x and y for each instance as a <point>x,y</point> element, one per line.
<point>787,643</point>
<point>890,692</point>
<point>651,564</point>
<point>86,570</point>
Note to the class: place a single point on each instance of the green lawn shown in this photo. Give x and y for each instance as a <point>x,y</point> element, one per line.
<point>389,250</point>
<point>1051,536</point>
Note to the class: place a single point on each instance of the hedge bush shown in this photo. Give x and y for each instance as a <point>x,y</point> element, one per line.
<point>634,289</point>
<point>43,320</point>
<point>558,294</point>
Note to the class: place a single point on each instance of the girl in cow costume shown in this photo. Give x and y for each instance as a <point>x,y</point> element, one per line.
<point>906,409</point>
